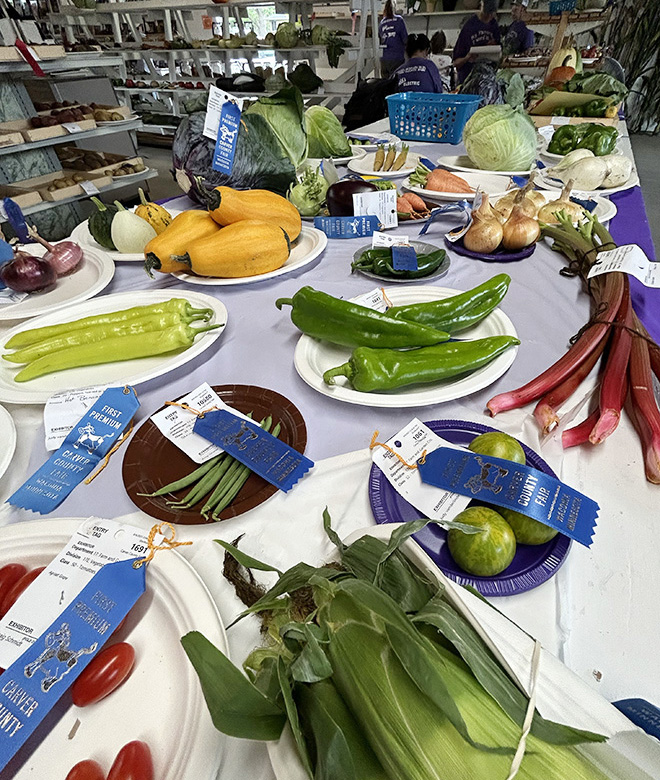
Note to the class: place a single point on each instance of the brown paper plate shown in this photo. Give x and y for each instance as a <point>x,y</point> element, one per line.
<point>152,461</point>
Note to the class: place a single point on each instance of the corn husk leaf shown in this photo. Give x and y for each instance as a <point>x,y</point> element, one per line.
<point>292,714</point>
<point>311,663</point>
<point>332,534</point>
<point>244,559</point>
<point>237,707</point>
<point>261,668</point>
<point>492,677</point>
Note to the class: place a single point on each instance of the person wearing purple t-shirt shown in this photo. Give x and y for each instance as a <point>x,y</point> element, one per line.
<point>519,38</point>
<point>418,74</point>
<point>393,35</point>
<point>479,30</point>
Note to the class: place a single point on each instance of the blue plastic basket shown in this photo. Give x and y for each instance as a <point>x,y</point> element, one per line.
<point>426,116</point>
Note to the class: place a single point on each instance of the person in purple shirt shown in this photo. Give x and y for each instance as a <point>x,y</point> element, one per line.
<point>519,38</point>
<point>419,73</point>
<point>479,30</point>
<point>393,35</point>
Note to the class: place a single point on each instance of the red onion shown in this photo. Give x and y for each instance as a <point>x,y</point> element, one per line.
<point>26,273</point>
<point>64,257</point>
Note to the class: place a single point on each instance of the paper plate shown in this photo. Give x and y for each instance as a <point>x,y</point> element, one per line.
<point>420,248</point>
<point>152,461</point>
<point>131,372</point>
<point>176,601</point>
<point>7,439</point>
<point>499,256</point>
<point>365,166</point>
<point>313,357</point>
<point>532,565</point>
<point>556,184</point>
<point>492,184</point>
<point>376,138</point>
<point>304,250</point>
<point>463,163</point>
<point>94,274</point>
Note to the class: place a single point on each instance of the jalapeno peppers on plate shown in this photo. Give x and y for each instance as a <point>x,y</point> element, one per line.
<point>379,261</point>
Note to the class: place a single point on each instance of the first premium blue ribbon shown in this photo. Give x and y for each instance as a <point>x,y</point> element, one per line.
<point>513,486</point>
<point>88,441</point>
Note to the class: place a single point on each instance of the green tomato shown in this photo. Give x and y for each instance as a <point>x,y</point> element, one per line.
<point>487,553</point>
<point>526,529</point>
<point>498,445</point>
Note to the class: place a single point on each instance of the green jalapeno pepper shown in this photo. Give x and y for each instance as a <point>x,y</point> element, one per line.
<point>351,325</point>
<point>32,336</point>
<point>370,370</point>
<point>448,310</point>
<point>381,263</point>
<point>114,349</point>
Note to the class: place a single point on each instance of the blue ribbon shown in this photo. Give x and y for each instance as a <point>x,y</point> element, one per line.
<point>404,258</point>
<point>513,486</point>
<point>225,145</point>
<point>461,205</point>
<point>348,227</point>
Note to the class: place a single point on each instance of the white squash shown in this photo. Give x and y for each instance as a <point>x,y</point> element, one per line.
<point>130,233</point>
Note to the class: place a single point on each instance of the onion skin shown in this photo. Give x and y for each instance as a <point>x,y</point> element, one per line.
<point>65,257</point>
<point>26,273</point>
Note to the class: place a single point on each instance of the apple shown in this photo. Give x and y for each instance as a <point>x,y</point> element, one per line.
<point>498,445</point>
<point>487,553</point>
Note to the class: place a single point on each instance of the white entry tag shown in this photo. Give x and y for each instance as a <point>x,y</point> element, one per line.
<point>383,240</point>
<point>372,300</point>
<point>95,543</point>
<point>89,187</point>
<point>381,204</point>
<point>630,259</point>
<point>8,296</point>
<point>217,99</point>
<point>63,410</point>
<point>72,127</point>
<point>176,424</point>
<point>410,442</point>
<point>560,120</point>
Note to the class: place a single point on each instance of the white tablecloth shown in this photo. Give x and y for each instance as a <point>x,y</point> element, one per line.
<point>597,614</point>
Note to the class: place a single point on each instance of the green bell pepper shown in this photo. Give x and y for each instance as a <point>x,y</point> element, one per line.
<point>600,140</point>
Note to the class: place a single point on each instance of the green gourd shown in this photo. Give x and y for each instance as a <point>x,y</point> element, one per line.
<point>100,222</point>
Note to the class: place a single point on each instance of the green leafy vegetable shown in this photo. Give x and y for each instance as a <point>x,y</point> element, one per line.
<point>304,78</point>
<point>286,35</point>
<point>308,195</point>
<point>598,84</point>
<point>500,138</point>
<point>284,113</point>
<point>325,134</point>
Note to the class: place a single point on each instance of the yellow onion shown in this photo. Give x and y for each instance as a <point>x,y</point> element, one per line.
<point>484,235</point>
<point>548,213</point>
<point>519,230</point>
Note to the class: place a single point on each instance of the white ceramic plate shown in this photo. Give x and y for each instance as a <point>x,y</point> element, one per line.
<point>312,358</point>
<point>131,176</point>
<point>131,372</point>
<point>82,235</point>
<point>545,178</point>
<point>604,210</point>
<point>7,439</point>
<point>546,133</point>
<point>357,152</point>
<point>487,182</point>
<point>93,275</point>
<point>463,163</point>
<point>162,689</point>
<point>383,138</point>
<point>307,247</point>
<point>365,166</point>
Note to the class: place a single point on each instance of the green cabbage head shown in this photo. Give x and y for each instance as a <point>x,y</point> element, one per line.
<point>500,138</point>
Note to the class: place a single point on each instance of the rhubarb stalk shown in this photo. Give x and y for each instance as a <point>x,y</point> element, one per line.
<point>579,434</point>
<point>645,412</point>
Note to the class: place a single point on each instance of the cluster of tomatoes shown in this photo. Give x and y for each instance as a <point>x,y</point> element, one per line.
<point>104,674</point>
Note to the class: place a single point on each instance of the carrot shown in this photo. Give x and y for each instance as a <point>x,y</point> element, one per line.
<point>403,206</point>
<point>444,181</point>
<point>415,201</point>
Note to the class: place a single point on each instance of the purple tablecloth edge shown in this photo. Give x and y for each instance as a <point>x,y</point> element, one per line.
<point>631,226</point>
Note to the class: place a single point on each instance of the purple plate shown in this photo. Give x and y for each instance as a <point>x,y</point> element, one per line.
<point>532,564</point>
<point>500,256</point>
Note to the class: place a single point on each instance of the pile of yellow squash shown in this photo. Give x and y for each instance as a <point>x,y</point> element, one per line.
<point>244,233</point>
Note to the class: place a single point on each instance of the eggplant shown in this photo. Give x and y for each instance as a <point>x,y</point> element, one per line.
<point>339,198</point>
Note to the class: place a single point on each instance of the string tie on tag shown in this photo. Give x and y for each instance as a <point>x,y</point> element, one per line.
<point>386,299</point>
<point>373,444</point>
<point>111,452</point>
<point>168,542</point>
<point>190,409</point>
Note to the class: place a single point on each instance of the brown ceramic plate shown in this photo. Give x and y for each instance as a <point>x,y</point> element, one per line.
<point>152,461</point>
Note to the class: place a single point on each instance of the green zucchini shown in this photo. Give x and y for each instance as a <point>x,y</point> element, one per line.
<point>99,224</point>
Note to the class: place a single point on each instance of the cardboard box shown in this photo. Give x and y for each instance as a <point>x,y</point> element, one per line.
<point>65,155</point>
<point>547,108</point>
<point>542,121</point>
<point>125,111</point>
<point>10,53</point>
<point>23,198</point>
<point>40,133</point>
<point>40,184</point>
<point>10,139</point>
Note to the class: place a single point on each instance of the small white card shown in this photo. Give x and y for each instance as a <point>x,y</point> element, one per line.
<point>63,410</point>
<point>560,120</point>
<point>372,300</point>
<point>72,127</point>
<point>8,296</point>
<point>95,543</point>
<point>89,187</point>
<point>381,204</point>
<point>630,259</point>
<point>379,239</point>
<point>410,443</point>
<point>217,98</point>
<point>176,424</point>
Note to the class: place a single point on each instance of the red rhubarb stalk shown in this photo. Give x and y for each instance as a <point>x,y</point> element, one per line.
<point>545,411</point>
<point>654,349</point>
<point>579,434</point>
<point>615,377</point>
<point>645,412</point>
<point>588,342</point>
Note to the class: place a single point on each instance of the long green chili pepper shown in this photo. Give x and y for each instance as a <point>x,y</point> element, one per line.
<point>97,333</point>
<point>176,305</point>
<point>433,313</point>
<point>114,349</point>
<point>387,369</point>
<point>351,325</point>
<point>381,263</point>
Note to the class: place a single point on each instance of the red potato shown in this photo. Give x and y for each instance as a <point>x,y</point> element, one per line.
<point>17,588</point>
<point>9,576</point>
<point>133,762</point>
<point>104,673</point>
<point>86,770</point>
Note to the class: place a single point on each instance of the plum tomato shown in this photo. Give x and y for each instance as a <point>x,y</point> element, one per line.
<point>133,762</point>
<point>103,674</point>
<point>9,575</point>
<point>86,770</point>
<point>17,588</point>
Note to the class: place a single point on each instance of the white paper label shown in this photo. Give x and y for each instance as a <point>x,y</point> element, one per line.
<point>72,127</point>
<point>8,296</point>
<point>630,259</point>
<point>560,120</point>
<point>3,211</point>
<point>63,410</point>
<point>30,32</point>
<point>372,300</point>
<point>89,187</point>
<point>410,443</point>
<point>95,543</point>
<point>176,424</point>
<point>382,239</point>
<point>217,98</point>
<point>382,204</point>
